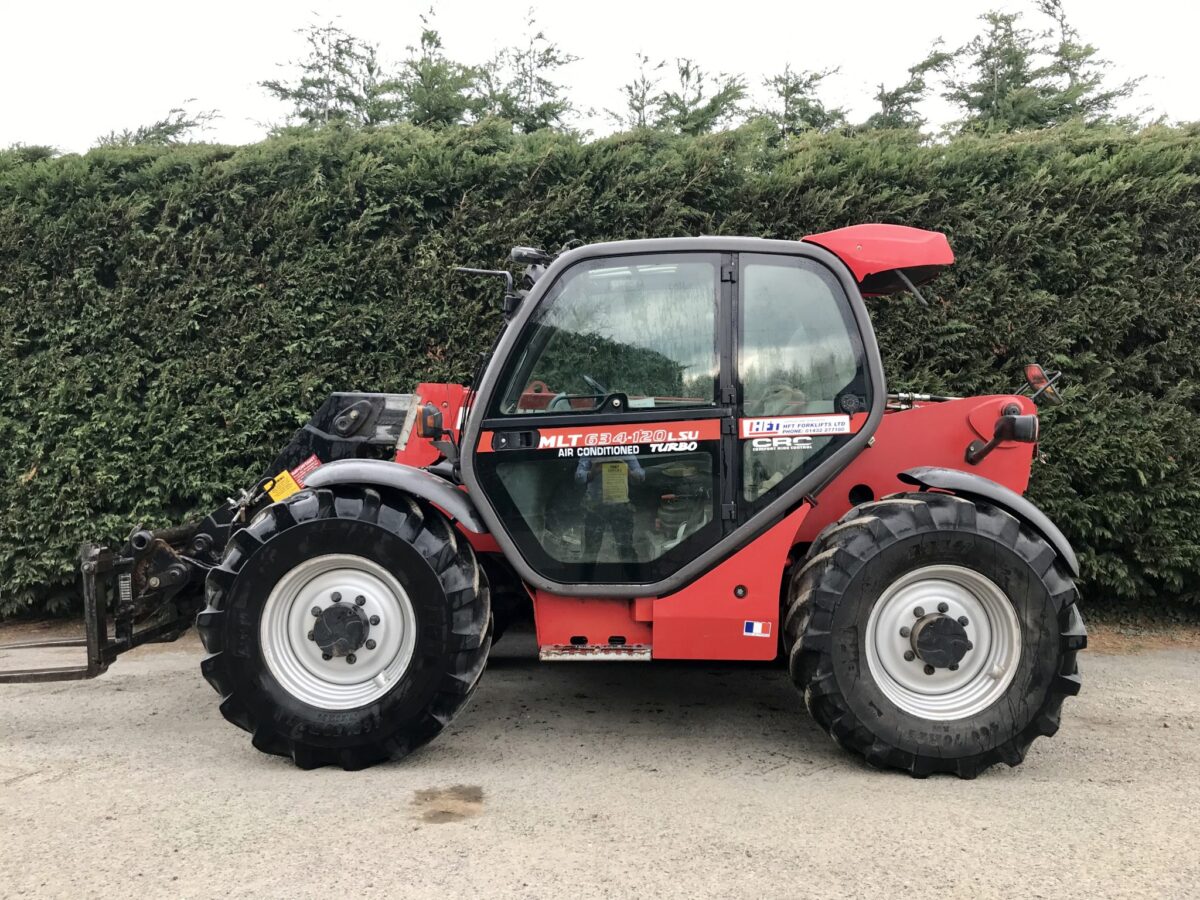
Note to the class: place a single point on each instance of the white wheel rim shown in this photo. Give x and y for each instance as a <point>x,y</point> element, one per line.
<point>984,673</point>
<point>297,662</point>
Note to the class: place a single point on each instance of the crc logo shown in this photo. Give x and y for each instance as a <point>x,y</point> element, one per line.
<point>781,442</point>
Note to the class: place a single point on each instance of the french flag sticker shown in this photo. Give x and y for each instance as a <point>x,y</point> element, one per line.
<point>756,629</point>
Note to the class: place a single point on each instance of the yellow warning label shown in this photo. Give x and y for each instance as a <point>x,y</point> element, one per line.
<point>282,486</point>
<point>614,484</point>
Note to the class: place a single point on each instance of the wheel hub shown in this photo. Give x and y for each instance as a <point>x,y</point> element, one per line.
<point>341,629</point>
<point>338,631</point>
<point>940,641</point>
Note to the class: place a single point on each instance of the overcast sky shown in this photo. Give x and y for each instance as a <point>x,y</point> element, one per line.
<point>73,71</point>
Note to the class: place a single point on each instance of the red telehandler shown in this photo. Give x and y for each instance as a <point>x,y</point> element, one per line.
<point>677,449</point>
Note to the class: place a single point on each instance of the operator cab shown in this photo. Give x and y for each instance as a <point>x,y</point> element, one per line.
<point>651,398</point>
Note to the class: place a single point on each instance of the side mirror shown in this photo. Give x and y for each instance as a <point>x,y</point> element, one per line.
<point>429,423</point>
<point>1041,384</point>
<point>1023,429</point>
<point>431,427</point>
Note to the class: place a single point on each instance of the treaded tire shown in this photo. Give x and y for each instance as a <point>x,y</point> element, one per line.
<point>442,578</point>
<point>847,568</point>
<point>510,600</point>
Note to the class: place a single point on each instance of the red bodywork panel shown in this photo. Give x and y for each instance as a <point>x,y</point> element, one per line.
<point>873,253</point>
<point>730,612</point>
<point>419,452</point>
<point>559,619</point>
<point>934,434</point>
<point>451,399</point>
<point>733,611</point>
<point>709,620</point>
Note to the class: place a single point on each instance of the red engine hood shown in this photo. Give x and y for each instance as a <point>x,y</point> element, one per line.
<point>873,254</point>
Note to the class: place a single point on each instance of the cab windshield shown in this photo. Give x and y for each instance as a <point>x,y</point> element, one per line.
<point>641,327</point>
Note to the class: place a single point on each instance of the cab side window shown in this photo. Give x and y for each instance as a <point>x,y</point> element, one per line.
<point>801,356</point>
<point>644,327</point>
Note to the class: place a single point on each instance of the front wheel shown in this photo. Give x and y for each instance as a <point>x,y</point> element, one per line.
<point>931,633</point>
<point>345,627</point>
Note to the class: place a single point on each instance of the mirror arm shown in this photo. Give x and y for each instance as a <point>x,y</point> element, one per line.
<point>1050,379</point>
<point>977,450</point>
<point>512,298</point>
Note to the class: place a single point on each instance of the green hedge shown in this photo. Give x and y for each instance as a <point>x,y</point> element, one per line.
<point>167,316</point>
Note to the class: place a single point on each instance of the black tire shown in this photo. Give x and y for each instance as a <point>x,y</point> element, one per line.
<point>510,600</point>
<point>846,571</point>
<point>438,571</point>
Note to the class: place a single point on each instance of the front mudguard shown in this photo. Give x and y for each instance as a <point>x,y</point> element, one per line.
<point>972,486</point>
<point>445,496</point>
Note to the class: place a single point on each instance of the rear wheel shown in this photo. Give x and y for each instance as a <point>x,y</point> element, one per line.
<point>345,627</point>
<point>931,633</point>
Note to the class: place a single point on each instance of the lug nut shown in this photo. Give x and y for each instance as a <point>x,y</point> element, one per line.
<point>374,620</point>
<point>943,607</point>
<point>905,631</point>
<point>962,620</point>
<point>360,600</point>
<point>351,659</point>
<point>953,667</point>
<point>919,611</point>
<point>316,611</point>
<point>909,656</point>
<point>970,646</point>
<point>312,635</point>
<point>929,670</point>
<point>327,656</point>
<point>336,597</point>
<point>370,644</point>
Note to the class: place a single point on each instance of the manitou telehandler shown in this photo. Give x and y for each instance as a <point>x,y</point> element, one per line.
<point>676,449</point>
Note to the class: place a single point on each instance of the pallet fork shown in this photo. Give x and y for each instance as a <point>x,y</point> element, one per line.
<point>110,626</point>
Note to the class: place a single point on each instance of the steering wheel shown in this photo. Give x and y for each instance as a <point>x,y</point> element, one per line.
<point>594,384</point>
<point>561,402</point>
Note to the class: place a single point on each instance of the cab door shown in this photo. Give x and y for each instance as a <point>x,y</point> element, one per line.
<point>607,448</point>
<point>802,371</point>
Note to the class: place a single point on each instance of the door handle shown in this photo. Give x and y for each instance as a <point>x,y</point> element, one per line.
<point>515,440</point>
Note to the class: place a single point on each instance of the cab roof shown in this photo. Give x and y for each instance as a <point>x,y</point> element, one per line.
<point>877,257</point>
<point>875,253</point>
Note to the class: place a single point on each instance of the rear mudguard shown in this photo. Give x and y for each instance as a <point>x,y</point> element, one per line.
<point>972,486</point>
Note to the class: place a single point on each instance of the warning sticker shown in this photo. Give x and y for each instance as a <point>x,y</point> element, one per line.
<point>282,486</point>
<point>305,469</point>
<point>291,481</point>
<point>614,484</point>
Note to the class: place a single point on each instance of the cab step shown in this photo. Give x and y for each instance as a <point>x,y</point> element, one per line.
<point>594,653</point>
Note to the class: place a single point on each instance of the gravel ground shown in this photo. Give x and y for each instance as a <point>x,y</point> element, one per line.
<point>595,780</point>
